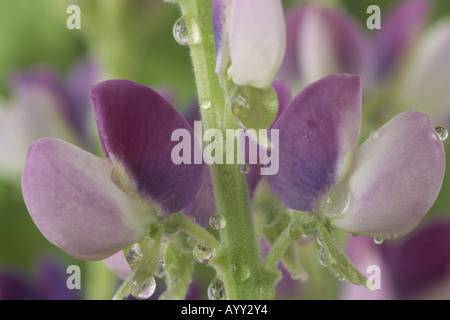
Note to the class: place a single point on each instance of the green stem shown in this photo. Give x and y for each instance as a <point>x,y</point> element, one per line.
<point>146,266</point>
<point>239,267</point>
<point>199,233</point>
<point>102,281</point>
<point>279,247</point>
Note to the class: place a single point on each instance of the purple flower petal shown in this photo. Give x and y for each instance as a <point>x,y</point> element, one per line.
<point>119,265</point>
<point>76,205</point>
<point>327,41</point>
<point>290,69</point>
<point>220,14</point>
<point>257,41</point>
<point>318,133</point>
<point>50,281</point>
<point>78,107</point>
<point>420,262</point>
<point>395,177</point>
<point>398,33</point>
<point>135,125</point>
<point>203,205</point>
<point>364,253</point>
<point>425,84</point>
<point>14,286</point>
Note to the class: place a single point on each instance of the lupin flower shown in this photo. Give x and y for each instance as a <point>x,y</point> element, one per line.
<point>250,40</point>
<point>324,40</point>
<point>425,84</point>
<point>48,282</point>
<point>415,267</point>
<point>44,104</point>
<point>321,41</point>
<point>91,207</point>
<point>382,188</point>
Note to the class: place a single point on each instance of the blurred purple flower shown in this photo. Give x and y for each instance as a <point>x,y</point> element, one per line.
<point>404,54</point>
<point>44,104</point>
<point>48,282</point>
<point>416,267</point>
<point>92,208</point>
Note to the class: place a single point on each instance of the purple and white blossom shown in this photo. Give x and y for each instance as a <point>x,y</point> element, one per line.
<point>382,188</point>
<point>92,207</point>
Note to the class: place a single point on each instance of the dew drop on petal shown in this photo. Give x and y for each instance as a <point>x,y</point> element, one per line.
<point>180,32</point>
<point>217,222</point>
<point>441,132</point>
<point>216,290</point>
<point>203,252</point>
<point>378,240</point>
<point>373,135</point>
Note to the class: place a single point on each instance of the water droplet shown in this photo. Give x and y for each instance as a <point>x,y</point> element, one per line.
<point>203,252</point>
<point>245,169</point>
<point>159,272</point>
<point>193,219</point>
<point>135,253</point>
<point>241,273</point>
<point>205,104</point>
<point>217,222</point>
<point>378,240</point>
<point>180,32</point>
<point>337,201</point>
<point>373,135</point>
<point>441,132</point>
<point>296,231</point>
<point>216,290</point>
<point>145,290</point>
<point>321,257</point>
<point>339,277</point>
<point>319,240</point>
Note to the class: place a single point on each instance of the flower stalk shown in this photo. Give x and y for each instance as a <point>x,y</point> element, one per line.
<point>239,267</point>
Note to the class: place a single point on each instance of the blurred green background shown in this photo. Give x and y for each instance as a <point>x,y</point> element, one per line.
<point>133,39</point>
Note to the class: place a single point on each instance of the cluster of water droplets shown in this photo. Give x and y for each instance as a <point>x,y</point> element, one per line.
<point>143,290</point>
<point>323,258</point>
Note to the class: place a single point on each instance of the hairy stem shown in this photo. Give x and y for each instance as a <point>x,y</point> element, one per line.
<point>239,267</point>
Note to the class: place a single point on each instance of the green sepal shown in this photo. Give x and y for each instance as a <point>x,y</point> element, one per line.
<point>331,256</point>
<point>178,268</point>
